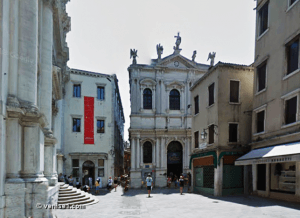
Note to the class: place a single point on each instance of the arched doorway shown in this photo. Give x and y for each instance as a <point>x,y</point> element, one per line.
<point>174,159</point>
<point>88,170</point>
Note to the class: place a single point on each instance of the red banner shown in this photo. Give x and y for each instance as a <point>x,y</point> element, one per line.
<point>88,120</point>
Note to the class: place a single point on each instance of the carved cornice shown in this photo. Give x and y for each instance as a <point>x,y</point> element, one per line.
<point>174,85</point>
<point>143,140</point>
<point>56,82</point>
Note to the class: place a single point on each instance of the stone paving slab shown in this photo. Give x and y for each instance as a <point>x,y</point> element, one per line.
<point>168,203</point>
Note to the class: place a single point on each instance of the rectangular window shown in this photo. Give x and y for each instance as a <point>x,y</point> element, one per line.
<point>261,77</point>
<point>100,168</point>
<point>196,102</point>
<point>211,99</point>
<point>196,135</point>
<point>233,132</point>
<point>234,91</point>
<point>263,18</point>
<point>75,167</point>
<point>291,110</point>
<point>293,56</point>
<point>100,126</point>
<point>77,91</point>
<point>211,136</point>
<point>76,125</point>
<point>260,121</point>
<point>100,93</point>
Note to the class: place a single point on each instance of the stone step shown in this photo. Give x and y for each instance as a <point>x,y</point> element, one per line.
<point>71,197</point>
<point>73,201</point>
<point>68,194</point>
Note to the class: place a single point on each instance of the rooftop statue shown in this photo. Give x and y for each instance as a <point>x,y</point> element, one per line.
<point>178,41</point>
<point>194,56</point>
<point>133,55</point>
<point>211,56</point>
<point>159,50</point>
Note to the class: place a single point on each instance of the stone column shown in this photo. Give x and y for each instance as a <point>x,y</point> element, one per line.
<point>141,97</point>
<point>60,164</point>
<point>28,45</point>
<point>132,154</point>
<point>142,155</point>
<point>268,166</point>
<point>154,99</point>
<point>45,87</point>
<point>182,100</point>
<point>161,96</point>
<point>153,154</point>
<point>50,160</point>
<point>297,179</point>
<point>188,151</point>
<point>254,176</point>
<point>138,163</point>
<point>13,149</point>
<point>218,179</point>
<point>13,49</point>
<point>163,147</point>
<point>157,153</point>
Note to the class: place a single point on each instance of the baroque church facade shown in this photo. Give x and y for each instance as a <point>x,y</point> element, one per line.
<point>161,120</point>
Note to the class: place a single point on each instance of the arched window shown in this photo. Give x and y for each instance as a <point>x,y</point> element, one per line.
<point>174,100</point>
<point>147,99</point>
<point>147,152</point>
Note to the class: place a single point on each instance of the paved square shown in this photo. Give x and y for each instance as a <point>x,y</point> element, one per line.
<point>168,203</point>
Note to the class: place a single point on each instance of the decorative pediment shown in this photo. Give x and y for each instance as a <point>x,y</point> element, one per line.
<point>174,85</point>
<point>143,140</point>
<point>147,83</point>
<point>176,61</point>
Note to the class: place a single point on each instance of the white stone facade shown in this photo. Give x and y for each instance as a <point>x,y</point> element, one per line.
<point>108,109</point>
<point>160,125</point>
<point>33,57</point>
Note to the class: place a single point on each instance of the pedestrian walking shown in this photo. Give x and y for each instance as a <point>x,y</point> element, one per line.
<point>149,181</point>
<point>109,184</point>
<point>115,183</point>
<point>169,181</point>
<point>181,183</point>
<point>97,184</point>
<point>189,182</point>
<point>119,180</point>
<point>71,180</point>
<point>175,181</point>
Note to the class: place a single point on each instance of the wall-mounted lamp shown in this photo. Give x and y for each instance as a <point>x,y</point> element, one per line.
<point>204,133</point>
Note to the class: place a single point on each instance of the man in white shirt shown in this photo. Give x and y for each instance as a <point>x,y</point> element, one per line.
<point>149,181</point>
<point>109,183</point>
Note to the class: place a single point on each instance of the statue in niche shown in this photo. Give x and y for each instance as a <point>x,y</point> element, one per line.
<point>159,50</point>
<point>194,55</point>
<point>133,55</point>
<point>211,56</point>
<point>178,41</point>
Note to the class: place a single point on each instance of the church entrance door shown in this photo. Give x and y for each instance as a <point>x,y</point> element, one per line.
<point>174,159</point>
<point>88,170</point>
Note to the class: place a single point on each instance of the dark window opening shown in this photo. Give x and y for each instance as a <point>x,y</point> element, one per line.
<point>211,98</point>
<point>291,110</point>
<point>293,56</point>
<point>196,135</point>
<point>100,93</point>
<point>147,152</point>
<point>76,125</point>
<point>77,91</point>
<point>261,77</point>
<point>75,163</point>
<point>233,132</point>
<point>263,17</point>
<point>211,132</point>
<point>234,91</point>
<point>100,126</point>
<point>196,102</point>
<point>147,99</point>
<point>292,2</point>
<point>260,125</point>
<point>174,100</point>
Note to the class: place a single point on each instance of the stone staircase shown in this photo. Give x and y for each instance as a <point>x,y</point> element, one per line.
<point>73,196</point>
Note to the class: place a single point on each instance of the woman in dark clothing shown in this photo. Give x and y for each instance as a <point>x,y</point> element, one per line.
<point>115,183</point>
<point>181,182</point>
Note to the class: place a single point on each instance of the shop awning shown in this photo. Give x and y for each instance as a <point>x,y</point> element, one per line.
<point>275,154</point>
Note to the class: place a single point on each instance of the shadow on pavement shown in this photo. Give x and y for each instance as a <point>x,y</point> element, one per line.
<point>254,201</point>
